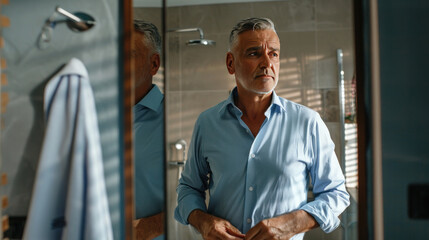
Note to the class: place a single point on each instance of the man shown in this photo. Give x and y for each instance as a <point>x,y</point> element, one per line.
<point>148,133</point>
<point>255,153</point>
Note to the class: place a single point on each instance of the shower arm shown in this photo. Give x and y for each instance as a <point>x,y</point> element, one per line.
<point>181,30</point>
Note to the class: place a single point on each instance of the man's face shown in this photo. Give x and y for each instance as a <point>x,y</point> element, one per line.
<point>255,61</point>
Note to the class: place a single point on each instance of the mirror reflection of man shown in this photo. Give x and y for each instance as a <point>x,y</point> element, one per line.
<point>255,151</point>
<point>148,133</point>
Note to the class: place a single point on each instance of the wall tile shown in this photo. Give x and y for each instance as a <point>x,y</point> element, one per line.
<point>173,17</point>
<point>203,67</point>
<point>173,115</point>
<point>318,234</point>
<point>152,15</point>
<point>293,15</point>
<point>216,18</point>
<point>297,59</point>
<point>334,14</point>
<point>327,44</point>
<point>173,63</point>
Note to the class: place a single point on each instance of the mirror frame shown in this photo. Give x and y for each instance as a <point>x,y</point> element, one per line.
<point>128,99</point>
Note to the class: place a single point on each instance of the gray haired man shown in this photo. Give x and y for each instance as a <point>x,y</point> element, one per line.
<point>148,129</point>
<point>255,151</point>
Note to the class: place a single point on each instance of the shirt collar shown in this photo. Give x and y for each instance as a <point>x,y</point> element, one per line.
<point>275,102</point>
<point>152,100</point>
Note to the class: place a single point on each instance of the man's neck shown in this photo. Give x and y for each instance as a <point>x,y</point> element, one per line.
<point>253,108</point>
<point>255,105</point>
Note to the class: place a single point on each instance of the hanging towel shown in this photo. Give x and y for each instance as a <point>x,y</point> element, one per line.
<point>69,199</point>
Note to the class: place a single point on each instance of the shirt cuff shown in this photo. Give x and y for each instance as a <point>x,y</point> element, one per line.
<point>323,214</point>
<point>186,206</point>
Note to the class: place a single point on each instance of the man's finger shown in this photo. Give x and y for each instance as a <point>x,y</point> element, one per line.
<point>235,232</point>
<point>252,233</point>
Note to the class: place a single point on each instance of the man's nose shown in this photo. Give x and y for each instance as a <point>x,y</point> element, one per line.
<point>265,61</point>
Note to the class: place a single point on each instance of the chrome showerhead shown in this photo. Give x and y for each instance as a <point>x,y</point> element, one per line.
<point>195,42</point>
<point>204,42</point>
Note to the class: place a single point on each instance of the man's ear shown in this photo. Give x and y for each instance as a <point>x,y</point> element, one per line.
<point>155,62</point>
<point>230,63</point>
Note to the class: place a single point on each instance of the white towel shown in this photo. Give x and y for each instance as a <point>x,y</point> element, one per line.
<point>69,199</point>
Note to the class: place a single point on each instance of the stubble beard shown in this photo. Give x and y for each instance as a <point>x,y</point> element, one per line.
<point>261,92</point>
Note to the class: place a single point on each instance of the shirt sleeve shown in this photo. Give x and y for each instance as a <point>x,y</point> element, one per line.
<point>331,197</point>
<point>194,180</point>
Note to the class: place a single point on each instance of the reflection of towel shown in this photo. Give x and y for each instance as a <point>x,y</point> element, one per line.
<point>69,198</point>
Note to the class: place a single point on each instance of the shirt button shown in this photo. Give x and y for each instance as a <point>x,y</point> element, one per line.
<point>250,188</point>
<point>249,220</point>
<point>252,155</point>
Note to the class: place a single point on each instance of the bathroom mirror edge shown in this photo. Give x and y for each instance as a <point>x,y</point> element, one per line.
<point>128,165</point>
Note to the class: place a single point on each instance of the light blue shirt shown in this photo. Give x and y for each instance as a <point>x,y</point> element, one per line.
<point>254,178</point>
<point>149,154</point>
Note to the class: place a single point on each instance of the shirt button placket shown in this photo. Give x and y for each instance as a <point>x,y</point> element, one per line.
<point>250,193</point>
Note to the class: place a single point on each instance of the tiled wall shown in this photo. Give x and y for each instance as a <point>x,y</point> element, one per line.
<point>310,32</point>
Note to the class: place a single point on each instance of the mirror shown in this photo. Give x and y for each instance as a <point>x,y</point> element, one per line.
<point>317,53</point>
<point>310,33</point>
<point>148,124</point>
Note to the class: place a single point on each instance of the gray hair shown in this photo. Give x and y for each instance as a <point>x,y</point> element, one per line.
<point>250,24</point>
<point>150,31</point>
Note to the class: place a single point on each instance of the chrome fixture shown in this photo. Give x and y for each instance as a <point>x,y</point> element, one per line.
<point>77,22</point>
<point>194,42</point>
<point>179,145</point>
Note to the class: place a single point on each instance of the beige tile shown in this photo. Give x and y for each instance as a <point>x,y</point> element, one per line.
<point>173,50</point>
<point>173,17</point>
<point>298,59</point>
<point>153,15</point>
<point>173,115</point>
<point>293,15</point>
<point>327,44</point>
<point>334,14</point>
<point>173,62</point>
<point>204,68</point>
<point>216,18</point>
<point>296,95</point>
<point>324,101</point>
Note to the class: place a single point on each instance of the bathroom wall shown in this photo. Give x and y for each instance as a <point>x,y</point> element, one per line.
<point>29,69</point>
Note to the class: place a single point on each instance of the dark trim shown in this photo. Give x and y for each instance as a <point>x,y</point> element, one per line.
<point>362,63</point>
<point>128,101</point>
<point>164,58</point>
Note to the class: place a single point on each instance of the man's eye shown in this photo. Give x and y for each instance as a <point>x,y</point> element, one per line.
<point>275,54</point>
<point>253,53</point>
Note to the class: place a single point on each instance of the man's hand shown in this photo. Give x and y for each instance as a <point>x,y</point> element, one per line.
<point>282,227</point>
<point>212,227</point>
<point>150,227</point>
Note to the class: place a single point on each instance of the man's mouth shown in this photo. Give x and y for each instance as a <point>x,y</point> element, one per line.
<point>264,76</point>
